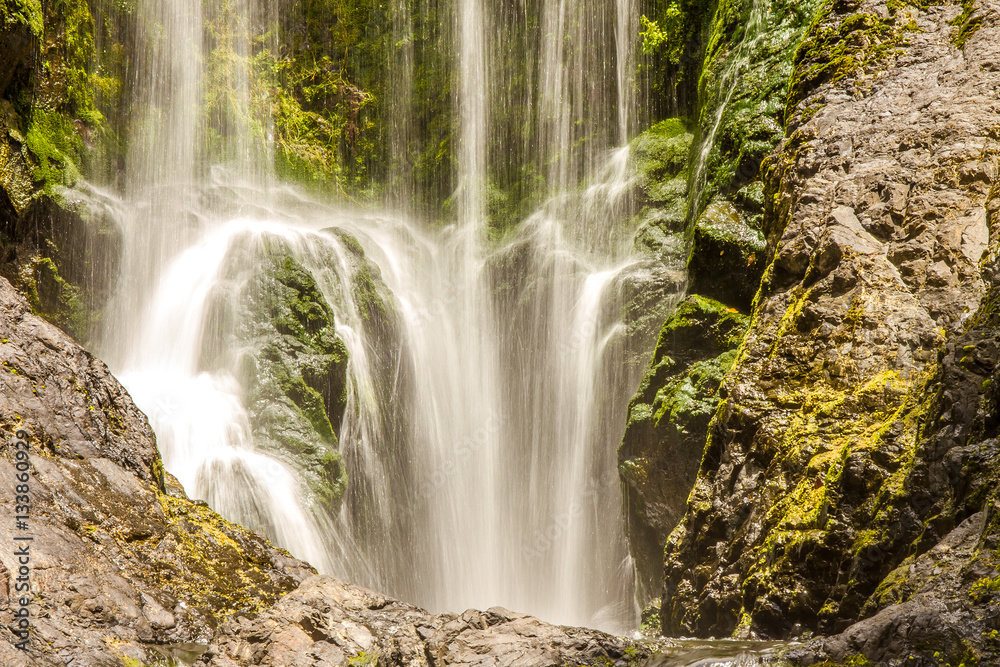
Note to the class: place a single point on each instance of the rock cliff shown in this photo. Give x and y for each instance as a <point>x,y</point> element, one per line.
<point>848,474</point>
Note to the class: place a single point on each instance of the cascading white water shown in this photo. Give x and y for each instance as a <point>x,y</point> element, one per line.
<point>202,427</point>
<point>483,413</point>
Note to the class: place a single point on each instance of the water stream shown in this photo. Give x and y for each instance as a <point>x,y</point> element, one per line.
<point>483,414</point>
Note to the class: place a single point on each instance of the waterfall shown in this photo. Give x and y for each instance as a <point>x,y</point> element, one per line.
<point>486,383</point>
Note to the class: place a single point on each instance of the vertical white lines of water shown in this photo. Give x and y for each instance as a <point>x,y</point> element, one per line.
<point>577,489</point>
<point>605,206</point>
<point>554,107</point>
<point>459,388</point>
<point>169,92</point>
<point>400,103</point>
<point>473,84</point>
<point>163,153</point>
<point>626,31</point>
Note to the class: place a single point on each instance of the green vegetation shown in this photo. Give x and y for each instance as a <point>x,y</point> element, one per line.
<point>748,63</point>
<point>55,145</point>
<point>365,659</point>
<point>672,34</point>
<point>966,24</point>
<point>295,373</point>
<point>26,12</point>
<point>58,301</point>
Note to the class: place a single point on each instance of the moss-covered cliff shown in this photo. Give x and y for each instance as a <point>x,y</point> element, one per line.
<point>852,435</point>
<point>725,68</point>
<point>52,129</point>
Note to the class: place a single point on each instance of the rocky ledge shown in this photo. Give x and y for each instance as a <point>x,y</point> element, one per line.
<point>327,622</point>
<point>124,568</point>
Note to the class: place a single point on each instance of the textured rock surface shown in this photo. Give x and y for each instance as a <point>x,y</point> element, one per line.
<point>668,419</point>
<point>272,325</point>
<point>727,256</point>
<point>947,608</point>
<point>842,447</point>
<point>328,622</point>
<point>116,562</point>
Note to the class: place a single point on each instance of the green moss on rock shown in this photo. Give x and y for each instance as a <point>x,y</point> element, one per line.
<point>966,24</point>
<point>660,156</point>
<point>668,421</point>
<point>274,329</point>
<point>841,42</point>
<point>22,12</point>
<point>58,301</point>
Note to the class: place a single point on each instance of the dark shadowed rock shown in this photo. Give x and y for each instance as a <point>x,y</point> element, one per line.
<point>727,256</point>
<point>668,421</point>
<point>946,609</point>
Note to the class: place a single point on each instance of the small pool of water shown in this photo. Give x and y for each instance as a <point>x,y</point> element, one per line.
<point>180,655</point>
<point>714,653</point>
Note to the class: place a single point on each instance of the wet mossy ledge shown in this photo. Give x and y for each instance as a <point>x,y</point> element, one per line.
<point>52,130</point>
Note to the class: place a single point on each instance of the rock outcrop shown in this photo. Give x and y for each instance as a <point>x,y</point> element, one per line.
<point>328,622</point>
<point>270,322</point>
<point>668,419</point>
<point>117,564</point>
<point>854,443</point>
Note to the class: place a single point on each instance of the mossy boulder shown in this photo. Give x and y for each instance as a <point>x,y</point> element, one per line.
<point>668,422</point>
<point>660,154</point>
<point>749,58</point>
<point>298,382</point>
<point>272,326</point>
<point>660,159</point>
<point>727,256</point>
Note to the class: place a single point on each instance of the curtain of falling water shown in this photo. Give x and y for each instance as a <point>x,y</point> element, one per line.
<point>481,428</point>
<point>193,97</point>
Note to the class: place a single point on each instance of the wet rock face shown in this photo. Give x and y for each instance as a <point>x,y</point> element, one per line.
<point>65,399</point>
<point>328,622</point>
<point>727,256</point>
<point>947,608</point>
<point>668,419</point>
<point>52,254</point>
<point>844,443</point>
<point>116,562</point>
<point>271,326</point>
